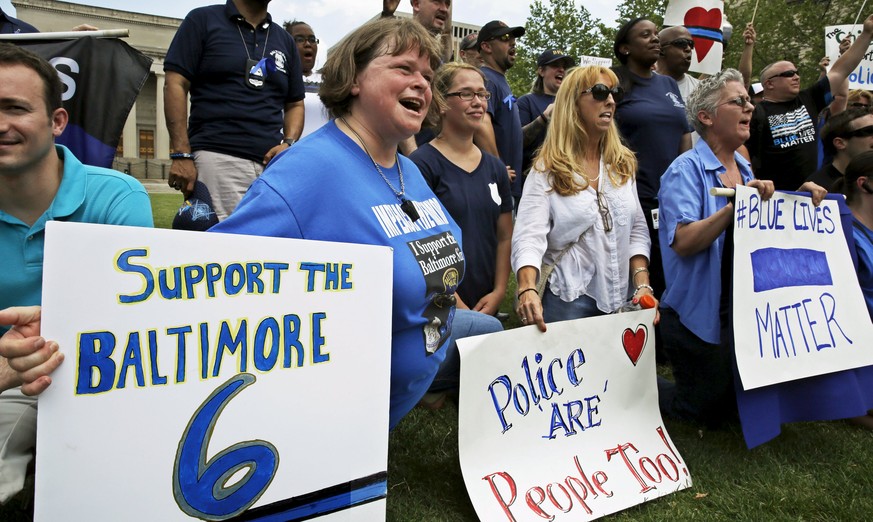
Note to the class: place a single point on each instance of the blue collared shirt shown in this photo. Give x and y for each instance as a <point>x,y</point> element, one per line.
<point>694,282</point>
<point>10,25</point>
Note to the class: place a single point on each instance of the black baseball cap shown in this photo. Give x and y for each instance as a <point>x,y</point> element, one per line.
<point>496,28</point>
<point>552,56</point>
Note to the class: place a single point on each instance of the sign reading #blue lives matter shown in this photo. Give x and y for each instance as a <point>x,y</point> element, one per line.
<point>213,376</point>
<point>797,306</point>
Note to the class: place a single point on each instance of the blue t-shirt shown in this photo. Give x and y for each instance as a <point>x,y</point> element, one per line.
<point>10,25</point>
<point>864,247</point>
<point>86,195</point>
<point>506,120</point>
<point>211,49</point>
<point>327,169</point>
<point>476,201</point>
<point>694,282</point>
<point>652,120</point>
<point>530,107</point>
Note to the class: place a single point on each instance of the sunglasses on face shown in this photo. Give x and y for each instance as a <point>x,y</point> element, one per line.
<point>682,43</point>
<point>859,104</point>
<point>739,101</point>
<point>468,95</point>
<point>863,132</point>
<point>301,39</point>
<point>601,92</point>
<point>503,37</point>
<point>785,74</point>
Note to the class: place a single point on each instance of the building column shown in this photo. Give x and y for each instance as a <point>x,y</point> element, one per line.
<point>162,137</point>
<point>130,147</point>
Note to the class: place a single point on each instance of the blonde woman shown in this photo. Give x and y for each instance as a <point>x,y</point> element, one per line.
<point>580,211</point>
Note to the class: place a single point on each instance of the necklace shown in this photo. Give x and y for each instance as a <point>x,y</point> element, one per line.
<point>406,205</point>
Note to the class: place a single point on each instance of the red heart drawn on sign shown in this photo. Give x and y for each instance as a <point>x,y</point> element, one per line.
<point>700,17</point>
<point>634,342</point>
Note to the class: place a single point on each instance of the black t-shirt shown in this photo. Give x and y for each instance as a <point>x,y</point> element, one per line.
<point>784,136</point>
<point>826,176</point>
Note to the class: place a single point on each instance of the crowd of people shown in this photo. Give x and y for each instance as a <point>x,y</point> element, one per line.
<point>593,188</point>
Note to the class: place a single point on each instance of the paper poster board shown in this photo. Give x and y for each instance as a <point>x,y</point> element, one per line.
<point>565,423</point>
<point>585,61</point>
<point>209,376</point>
<point>704,20</point>
<point>797,306</point>
<point>862,76</point>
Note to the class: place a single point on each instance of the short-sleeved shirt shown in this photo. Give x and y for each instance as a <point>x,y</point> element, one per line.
<point>476,201</point>
<point>784,136</point>
<point>652,120</point>
<point>314,111</point>
<point>87,195</point>
<point>694,282</point>
<point>825,176</point>
<point>213,49</point>
<point>530,107</point>
<point>506,120</point>
<point>10,25</point>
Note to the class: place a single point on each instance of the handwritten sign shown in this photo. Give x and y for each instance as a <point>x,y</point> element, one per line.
<point>704,20</point>
<point>862,76</point>
<point>210,376</point>
<point>585,61</point>
<point>564,425</point>
<point>797,306</point>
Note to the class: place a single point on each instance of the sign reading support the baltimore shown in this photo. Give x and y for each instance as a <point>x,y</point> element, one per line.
<point>862,76</point>
<point>564,425</point>
<point>213,376</point>
<point>797,306</point>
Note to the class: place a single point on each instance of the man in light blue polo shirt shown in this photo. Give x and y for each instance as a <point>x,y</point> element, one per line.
<point>41,182</point>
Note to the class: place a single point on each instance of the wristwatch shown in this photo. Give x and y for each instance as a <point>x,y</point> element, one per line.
<point>289,141</point>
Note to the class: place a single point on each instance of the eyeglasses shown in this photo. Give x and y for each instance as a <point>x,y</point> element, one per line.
<point>682,43</point>
<point>785,74</point>
<point>600,92</point>
<point>503,37</point>
<point>468,95</point>
<point>863,132</point>
<point>302,39</point>
<point>739,101</point>
<point>604,211</point>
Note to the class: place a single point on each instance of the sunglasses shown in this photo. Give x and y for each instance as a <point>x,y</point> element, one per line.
<point>468,95</point>
<point>859,104</point>
<point>739,101</point>
<point>301,39</point>
<point>863,132</point>
<point>601,92</point>
<point>785,74</point>
<point>603,209</point>
<point>503,37</point>
<point>682,43</point>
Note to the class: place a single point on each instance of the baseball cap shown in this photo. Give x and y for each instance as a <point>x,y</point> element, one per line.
<point>469,42</point>
<point>552,56</point>
<point>496,28</point>
<point>196,213</point>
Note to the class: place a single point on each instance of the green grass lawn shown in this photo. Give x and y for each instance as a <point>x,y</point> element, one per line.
<point>818,471</point>
<point>813,471</point>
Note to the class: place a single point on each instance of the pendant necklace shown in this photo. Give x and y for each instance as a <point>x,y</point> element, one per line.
<point>406,205</point>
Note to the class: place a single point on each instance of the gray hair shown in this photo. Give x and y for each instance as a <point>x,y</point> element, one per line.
<point>707,95</point>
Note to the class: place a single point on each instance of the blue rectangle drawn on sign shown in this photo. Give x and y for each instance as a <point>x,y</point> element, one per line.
<point>784,267</point>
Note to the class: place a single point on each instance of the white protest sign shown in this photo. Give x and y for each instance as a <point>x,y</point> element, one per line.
<point>210,375</point>
<point>585,61</point>
<point>798,310</point>
<point>862,76</point>
<point>565,423</point>
<point>704,20</point>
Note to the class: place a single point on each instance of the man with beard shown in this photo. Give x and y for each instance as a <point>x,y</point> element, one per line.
<point>469,51</point>
<point>676,48</point>
<point>242,71</point>
<point>500,133</point>
<point>535,107</point>
<point>784,135</point>
<point>307,48</point>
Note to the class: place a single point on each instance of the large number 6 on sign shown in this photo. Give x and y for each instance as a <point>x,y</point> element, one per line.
<point>200,486</point>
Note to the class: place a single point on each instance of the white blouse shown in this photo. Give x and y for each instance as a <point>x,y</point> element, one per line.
<point>598,265</point>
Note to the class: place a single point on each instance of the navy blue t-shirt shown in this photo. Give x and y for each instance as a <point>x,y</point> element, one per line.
<point>211,50</point>
<point>530,107</point>
<point>475,200</point>
<point>10,25</point>
<point>506,120</point>
<point>652,121</point>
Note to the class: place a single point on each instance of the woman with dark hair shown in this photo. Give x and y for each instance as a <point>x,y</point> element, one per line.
<point>651,118</point>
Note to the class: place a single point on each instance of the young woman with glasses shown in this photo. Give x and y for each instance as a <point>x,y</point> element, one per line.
<point>580,211</point>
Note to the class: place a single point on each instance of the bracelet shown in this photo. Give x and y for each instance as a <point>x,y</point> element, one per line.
<point>527,290</point>
<point>639,270</point>
<point>639,287</point>
<point>181,155</point>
